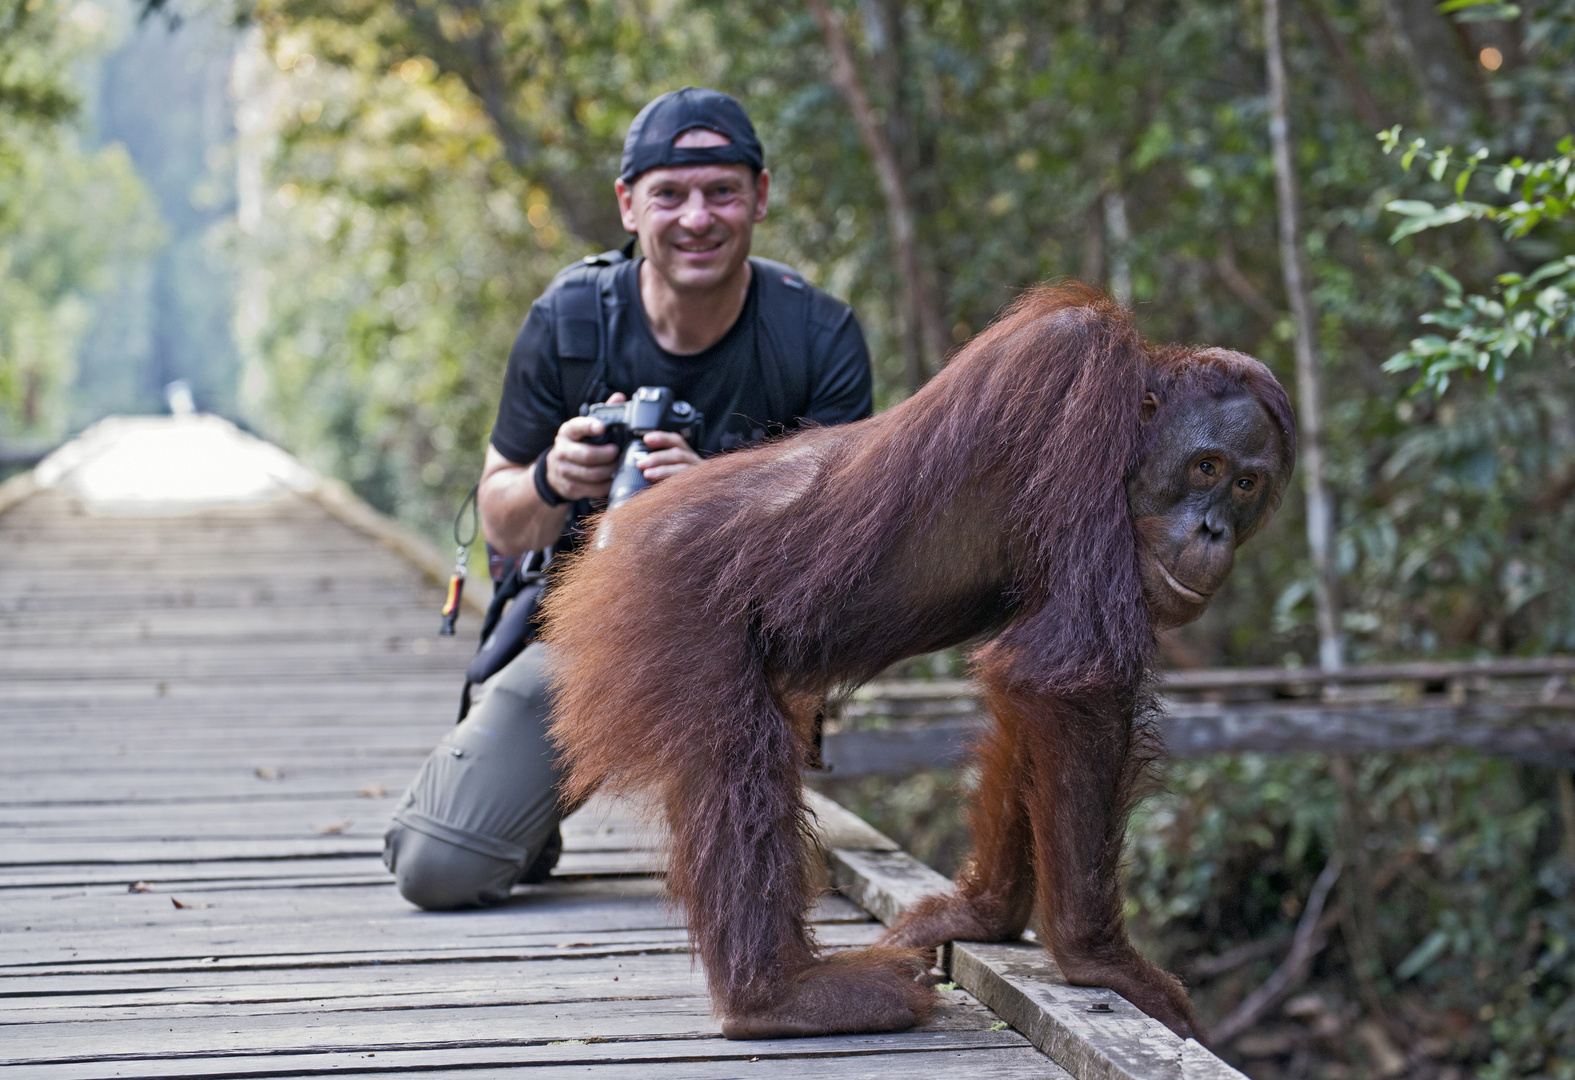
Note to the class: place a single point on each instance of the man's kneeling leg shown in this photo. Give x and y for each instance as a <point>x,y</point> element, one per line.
<point>485,803</point>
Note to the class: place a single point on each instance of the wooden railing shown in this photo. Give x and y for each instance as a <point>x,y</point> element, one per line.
<point>1523,708</point>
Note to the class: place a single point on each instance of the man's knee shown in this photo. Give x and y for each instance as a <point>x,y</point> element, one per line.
<point>440,876</point>
<point>525,678</point>
<point>485,802</point>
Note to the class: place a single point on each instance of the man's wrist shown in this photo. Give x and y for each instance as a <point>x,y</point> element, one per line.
<point>545,489</point>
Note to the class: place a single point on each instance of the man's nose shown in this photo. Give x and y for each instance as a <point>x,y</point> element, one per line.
<point>697,215</point>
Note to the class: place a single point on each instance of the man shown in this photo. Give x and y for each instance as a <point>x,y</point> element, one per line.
<point>748,342</point>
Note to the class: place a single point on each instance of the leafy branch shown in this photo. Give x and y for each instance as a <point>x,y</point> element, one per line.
<point>1522,309</point>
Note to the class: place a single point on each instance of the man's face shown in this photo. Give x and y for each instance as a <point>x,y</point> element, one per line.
<point>695,222</point>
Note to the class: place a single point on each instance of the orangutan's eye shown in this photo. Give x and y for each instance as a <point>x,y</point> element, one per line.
<point>1207,468</point>
<point>1245,483</point>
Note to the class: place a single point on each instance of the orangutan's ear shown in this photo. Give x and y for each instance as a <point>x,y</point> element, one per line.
<point>1149,407</point>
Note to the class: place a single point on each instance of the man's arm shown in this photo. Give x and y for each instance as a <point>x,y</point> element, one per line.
<point>514,517</point>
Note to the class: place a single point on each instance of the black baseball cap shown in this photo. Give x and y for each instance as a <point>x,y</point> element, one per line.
<point>649,144</point>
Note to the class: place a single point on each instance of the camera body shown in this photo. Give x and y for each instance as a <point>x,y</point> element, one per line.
<point>652,408</point>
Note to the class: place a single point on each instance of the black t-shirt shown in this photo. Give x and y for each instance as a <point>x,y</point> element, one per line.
<point>726,382</point>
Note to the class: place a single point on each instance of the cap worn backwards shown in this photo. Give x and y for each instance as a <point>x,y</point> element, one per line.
<point>649,144</point>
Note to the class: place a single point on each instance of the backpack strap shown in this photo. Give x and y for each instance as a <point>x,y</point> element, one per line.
<point>784,342</point>
<point>582,328</point>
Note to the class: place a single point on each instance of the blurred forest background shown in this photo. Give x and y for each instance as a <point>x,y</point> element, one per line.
<point>330,217</point>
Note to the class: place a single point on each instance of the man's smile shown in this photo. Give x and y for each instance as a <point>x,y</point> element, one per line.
<point>699,247</point>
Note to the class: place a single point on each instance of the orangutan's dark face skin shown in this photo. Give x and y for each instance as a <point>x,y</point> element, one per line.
<point>1215,472</point>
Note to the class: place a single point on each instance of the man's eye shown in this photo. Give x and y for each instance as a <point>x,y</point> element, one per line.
<point>1245,484</point>
<point>1207,468</point>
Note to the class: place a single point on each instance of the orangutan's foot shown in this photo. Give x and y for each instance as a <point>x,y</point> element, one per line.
<point>868,990</point>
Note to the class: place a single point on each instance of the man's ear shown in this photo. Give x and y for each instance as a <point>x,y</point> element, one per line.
<point>1149,407</point>
<point>762,193</point>
<point>625,195</point>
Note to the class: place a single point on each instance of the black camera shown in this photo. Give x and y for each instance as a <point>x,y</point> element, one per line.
<point>653,408</point>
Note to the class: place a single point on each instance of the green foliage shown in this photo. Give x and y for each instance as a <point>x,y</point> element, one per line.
<point>70,217</point>
<point>393,291</point>
<point>1522,310</point>
<point>1479,10</point>
<point>1454,857</point>
<point>33,88</point>
<point>1470,933</point>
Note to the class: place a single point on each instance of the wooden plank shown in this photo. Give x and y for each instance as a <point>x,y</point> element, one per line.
<point>360,986</point>
<point>373,904</point>
<point>1094,1033</point>
<point>109,788</point>
<point>272,818</point>
<point>982,1063</point>
<point>134,698</point>
<point>214,994</point>
<point>443,658</point>
<point>835,827</point>
<point>29,569</point>
<point>606,836</point>
<point>239,628</point>
<point>696,1055</point>
<point>364,985</point>
<point>1529,729</point>
<point>81,876</point>
<point>884,883</point>
<point>607,1009</point>
<point>609,979</point>
<point>393,955</point>
<point>327,863</point>
<point>901,748</point>
<point>220,745</point>
<point>1199,680</point>
<point>1022,984</point>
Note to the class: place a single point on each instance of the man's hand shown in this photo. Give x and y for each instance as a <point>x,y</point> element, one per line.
<point>577,469</point>
<point>672,455</point>
<point>513,517</point>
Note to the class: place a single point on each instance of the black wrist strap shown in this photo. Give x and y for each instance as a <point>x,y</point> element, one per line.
<point>544,489</point>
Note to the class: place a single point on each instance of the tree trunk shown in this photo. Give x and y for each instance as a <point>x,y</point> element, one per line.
<point>920,308</point>
<point>1120,246</point>
<point>1309,383</point>
<point>1345,64</point>
<point>1445,75</point>
<point>589,210</point>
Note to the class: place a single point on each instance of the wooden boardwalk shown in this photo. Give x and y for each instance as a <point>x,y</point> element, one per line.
<point>208,717</point>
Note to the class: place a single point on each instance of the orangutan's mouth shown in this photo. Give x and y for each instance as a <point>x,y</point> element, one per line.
<point>1191,595</point>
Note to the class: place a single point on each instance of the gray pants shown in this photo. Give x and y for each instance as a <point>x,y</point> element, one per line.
<point>485,802</point>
